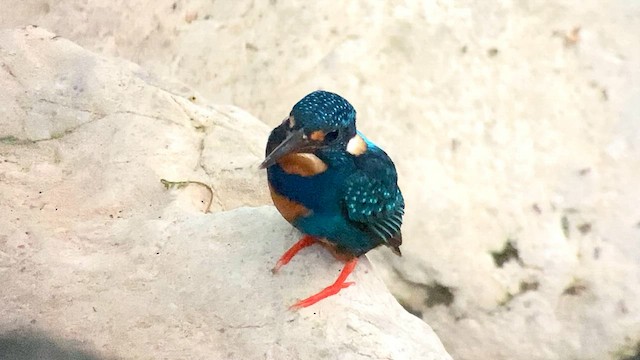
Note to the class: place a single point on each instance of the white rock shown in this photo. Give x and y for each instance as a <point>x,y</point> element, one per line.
<point>94,249</point>
<point>490,112</point>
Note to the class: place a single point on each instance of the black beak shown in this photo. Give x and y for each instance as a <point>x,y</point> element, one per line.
<point>295,142</point>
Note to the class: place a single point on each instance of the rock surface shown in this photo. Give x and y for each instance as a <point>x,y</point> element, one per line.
<point>94,249</point>
<point>514,126</point>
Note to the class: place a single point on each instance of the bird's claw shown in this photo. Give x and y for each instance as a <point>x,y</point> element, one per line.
<point>325,293</point>
<point>304,242</point>
<point>276,268</point>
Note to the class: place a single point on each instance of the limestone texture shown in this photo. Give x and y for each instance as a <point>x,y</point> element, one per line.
<point>515,127</point>
<point>98,260</point>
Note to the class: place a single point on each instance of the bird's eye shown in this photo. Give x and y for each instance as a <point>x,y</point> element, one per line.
<point>331,136</point>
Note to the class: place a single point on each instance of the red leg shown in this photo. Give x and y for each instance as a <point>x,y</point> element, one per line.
<point>332,289</point>
<point>306,241</point>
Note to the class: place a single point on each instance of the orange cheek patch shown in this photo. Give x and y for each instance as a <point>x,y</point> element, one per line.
<point>302,164</point>
<point>289,209</point>
<point>317,135</point>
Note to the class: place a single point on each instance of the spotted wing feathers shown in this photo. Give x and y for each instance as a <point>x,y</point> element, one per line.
<point>373,201</point>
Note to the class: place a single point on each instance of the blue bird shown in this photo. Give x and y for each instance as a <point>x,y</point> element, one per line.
<point>333,184</point>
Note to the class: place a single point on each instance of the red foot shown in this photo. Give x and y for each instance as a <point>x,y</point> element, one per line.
<point>330,290</point>
<point>306,241</point>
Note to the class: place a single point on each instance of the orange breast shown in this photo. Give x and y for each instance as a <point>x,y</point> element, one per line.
<point>302,164</point>
<point>288,208</point>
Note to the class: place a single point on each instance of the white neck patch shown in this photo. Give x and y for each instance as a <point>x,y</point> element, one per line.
<point>356,146</point>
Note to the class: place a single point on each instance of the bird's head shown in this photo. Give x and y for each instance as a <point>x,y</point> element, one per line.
<point>320,120</point>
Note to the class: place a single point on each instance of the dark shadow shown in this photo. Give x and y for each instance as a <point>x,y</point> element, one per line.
<point>32,346</point>
<point>636,355</point>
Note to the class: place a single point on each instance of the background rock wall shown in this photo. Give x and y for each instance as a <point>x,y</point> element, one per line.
<point>515,127</point>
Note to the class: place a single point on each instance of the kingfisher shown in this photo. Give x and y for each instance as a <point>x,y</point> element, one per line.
<point>333,184</point>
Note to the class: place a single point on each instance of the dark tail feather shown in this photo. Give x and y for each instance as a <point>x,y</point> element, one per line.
<point>395,243</point>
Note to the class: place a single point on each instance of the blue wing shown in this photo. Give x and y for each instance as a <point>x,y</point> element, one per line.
<point>372,200</point>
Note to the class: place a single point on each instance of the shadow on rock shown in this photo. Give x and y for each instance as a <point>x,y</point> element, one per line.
<point>32,346</point>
